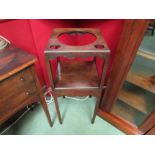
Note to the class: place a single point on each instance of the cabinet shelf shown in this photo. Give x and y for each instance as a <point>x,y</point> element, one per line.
<point>142,74</point>
<point>128,113</point>
<point>146,54</point>
<point>137,98</point>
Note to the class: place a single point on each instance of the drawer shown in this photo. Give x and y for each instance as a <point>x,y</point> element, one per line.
<point>15,83</point>
<point>17,80</point>
<point>15,103</point>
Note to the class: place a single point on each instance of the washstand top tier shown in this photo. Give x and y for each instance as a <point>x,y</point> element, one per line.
<point>96,44</point>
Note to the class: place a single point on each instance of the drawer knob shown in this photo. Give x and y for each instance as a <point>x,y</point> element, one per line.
<point>21,79</point>
<point>27,93</point>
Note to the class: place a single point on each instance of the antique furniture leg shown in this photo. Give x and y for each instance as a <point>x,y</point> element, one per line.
<point>95,110</point>
<point>57,107</point>
<point>49,68</point>
<point>43,103</point>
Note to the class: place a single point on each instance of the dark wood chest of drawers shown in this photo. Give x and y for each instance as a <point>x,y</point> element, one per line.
<point>19,85</point>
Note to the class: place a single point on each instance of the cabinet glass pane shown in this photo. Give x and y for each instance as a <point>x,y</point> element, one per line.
<point>136,99</point>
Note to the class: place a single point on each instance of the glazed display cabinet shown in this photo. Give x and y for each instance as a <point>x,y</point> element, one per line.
<point>131,104</point>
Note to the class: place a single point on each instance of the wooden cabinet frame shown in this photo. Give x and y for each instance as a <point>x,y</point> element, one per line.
<point>131,37</point>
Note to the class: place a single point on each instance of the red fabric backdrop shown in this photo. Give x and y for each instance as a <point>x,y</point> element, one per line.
<point>32,36</point>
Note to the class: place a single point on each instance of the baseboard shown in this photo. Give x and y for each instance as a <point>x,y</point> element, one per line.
<point>120,123</point>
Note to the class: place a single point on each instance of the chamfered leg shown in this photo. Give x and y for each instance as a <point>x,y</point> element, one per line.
<point>95,110</point>
<point>45,108</point>
<point>57,107</point>
<point>42,99</point>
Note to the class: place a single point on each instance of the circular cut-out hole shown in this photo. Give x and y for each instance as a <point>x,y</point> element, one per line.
<point>99,46</point>
<point>77,38</point>
<point>53,47</point>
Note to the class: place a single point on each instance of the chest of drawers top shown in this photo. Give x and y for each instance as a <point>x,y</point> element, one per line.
<point>13,60</point>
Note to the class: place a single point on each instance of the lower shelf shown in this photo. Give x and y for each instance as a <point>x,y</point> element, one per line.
<point>128,113</point>
<point>76,74</point>
<point>137,98</point>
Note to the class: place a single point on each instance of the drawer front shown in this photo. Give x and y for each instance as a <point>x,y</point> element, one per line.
<point>15,102</point>
<point>15,82</point>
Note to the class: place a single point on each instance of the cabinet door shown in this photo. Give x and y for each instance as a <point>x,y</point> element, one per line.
<point>128,87</point>
<point>136,99</point>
